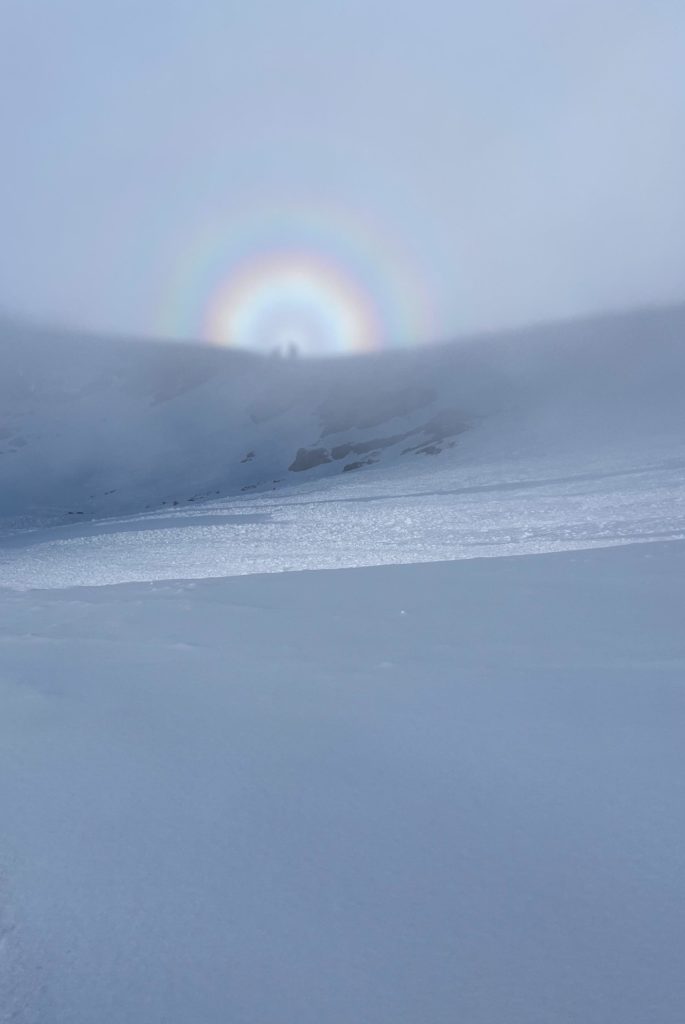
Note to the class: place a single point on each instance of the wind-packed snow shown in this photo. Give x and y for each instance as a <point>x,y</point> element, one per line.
<point>415,785</point>
<point>409,793</point>
<point>385,517</point>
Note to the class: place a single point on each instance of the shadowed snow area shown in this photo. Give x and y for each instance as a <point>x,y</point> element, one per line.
<point>417,785</point>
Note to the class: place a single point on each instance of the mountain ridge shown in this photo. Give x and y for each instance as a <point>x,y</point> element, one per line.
<point>95,426</point>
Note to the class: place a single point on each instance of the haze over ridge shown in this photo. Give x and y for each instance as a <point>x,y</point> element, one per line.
<point>520,161</point>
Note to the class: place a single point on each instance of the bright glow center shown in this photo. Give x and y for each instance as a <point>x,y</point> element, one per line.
<point>311,309</point>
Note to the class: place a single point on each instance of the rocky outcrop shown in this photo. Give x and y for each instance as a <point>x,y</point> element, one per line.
<point>431,438</point>
<point>309,458</point>
<point>341,451</point>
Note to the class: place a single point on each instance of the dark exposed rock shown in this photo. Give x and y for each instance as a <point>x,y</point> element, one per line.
<point>423,449</point>
<point>444,424</point>
<point>435,431</point>
<point>341,451</point>
<point>357,465</point>
<point>308,458</point>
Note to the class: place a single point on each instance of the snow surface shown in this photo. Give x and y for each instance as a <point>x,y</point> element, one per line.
<point>409,793</point>
<point>414,785</point>
<point>388,516</point>
<point>93,427</point>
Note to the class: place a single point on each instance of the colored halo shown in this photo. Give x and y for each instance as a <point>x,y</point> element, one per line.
<point>291,301</point>
<point>306,279</point>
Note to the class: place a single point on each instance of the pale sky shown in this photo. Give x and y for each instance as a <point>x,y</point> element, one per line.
<point>495,162</point>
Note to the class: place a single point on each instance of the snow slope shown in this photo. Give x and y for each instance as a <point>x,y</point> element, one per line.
<point>432,787</point>
<point>94,426</point>
<point>487,508</point>
<point>448,792</point>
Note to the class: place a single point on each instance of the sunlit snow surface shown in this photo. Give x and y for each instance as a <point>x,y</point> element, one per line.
<point>441,511</point>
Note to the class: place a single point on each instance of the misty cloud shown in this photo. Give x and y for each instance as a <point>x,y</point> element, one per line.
<point>523,160</point>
